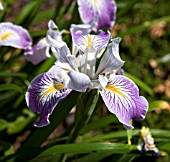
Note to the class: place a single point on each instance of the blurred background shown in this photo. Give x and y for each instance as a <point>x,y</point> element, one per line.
<point>144,27</point>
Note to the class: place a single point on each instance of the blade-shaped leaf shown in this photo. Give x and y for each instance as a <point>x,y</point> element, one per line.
<point>88,147</point>
<point>159,104</point>
<point>10,87</point>
<point>40,134</point>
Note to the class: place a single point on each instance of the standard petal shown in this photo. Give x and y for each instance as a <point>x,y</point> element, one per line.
<point>38,53</point>
<point>78,81</point>
<point>92,43</point>
<point>121,97</point>
<point>111,59</point>
<point>90,46</point>
<point>84,8</point>
<point>43,94</point>
<point>85,30</point>
<point>53,31</point>
<point>105,10</point>
<point>14,36</point>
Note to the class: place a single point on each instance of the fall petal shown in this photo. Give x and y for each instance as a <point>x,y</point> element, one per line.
<point>43,94</point>
<point>14,36</point>
<point>121,97</point>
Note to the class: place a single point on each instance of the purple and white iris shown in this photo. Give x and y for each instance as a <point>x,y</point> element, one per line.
<point>104,10</point>
<point>119,93</point>
<point>40,51</point>
<point>14,36</point>
<point>18,37</point>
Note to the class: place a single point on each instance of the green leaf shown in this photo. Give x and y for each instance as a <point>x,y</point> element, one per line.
<point>43,15</point>
<point>88,147</point>
<point>88,104</point>
<point>38,33</point>
<point>85,107</point>
<point>29,10</point>
<point>130,133</point>
<point>46,65</point>
<point>21,122</point>
<point>159,104</point>
<point>3,124</point>
<point>160,133</point>
<point>96,157</point>
<point>125,10</point>
<point>40,134</point>
<point>125,158</point>
<point>10,87</point>
<point>118,134</point>
<point>11,74</point>
<point>140,83</point>
<point>144,26</point>
<point>100,123</point>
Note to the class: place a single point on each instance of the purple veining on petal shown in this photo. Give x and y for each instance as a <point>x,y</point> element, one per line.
<point>43,94</point>
<point>94,43</point>
<point>121,97</point>
<point>38,53</point>
<point>105,10</point>
<point>101,40</point>
<point>14,36</point>
<point>111,59</point>
<point>107,14</point>
<point>86,12</point>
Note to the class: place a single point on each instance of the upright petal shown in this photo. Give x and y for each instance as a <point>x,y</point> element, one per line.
<point>92,43</point>
<point>111,59</point>
<point>14,36</point>
<point>38,53</point>
<point>62,53</point>
<point>85,29</point>
<point>90,46</point>
<point>105,10</point>
<point>121,97</point>
<point>43,94</point>
<point>54,32</point>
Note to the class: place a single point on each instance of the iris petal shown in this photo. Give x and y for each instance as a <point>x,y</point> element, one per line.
<point>43,94</point>
<point>105,10</point>
<point>38,53</point>
<point>121,97</point>
<point>14,36</point>
<point>111,59</point>
<point>78,81</point>
<point>94,43</point>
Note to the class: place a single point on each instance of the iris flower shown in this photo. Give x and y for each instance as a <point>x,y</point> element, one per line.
<point>40,51</point>
<point>14,36</point>
<point>119,93</point>
<point>147,144</point>
<point>104,10</point>
<point>18,37</point>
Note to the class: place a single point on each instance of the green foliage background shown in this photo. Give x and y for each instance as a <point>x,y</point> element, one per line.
<point>92,134</point>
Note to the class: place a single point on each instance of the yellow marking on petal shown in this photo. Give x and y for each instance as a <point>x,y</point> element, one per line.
<point>89,40</point>
<point>65,69</point>
<point>6,35</point>
<point>53,88</point>
<point>114,90</point>
<point>101,52</point>
<point>95,1</point>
